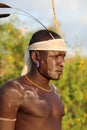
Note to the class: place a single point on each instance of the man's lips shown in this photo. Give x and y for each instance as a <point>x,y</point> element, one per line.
<point>59,71</point>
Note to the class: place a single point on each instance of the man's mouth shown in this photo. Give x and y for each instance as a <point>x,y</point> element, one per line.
<point>59,71</point>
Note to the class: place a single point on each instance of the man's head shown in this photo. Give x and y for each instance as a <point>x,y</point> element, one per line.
<point>43,35</point>
<point>47,52</point>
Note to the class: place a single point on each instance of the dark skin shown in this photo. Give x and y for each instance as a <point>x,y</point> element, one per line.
<point>33,108</point>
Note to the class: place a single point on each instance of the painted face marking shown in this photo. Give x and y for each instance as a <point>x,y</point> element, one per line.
<point>55,62</point>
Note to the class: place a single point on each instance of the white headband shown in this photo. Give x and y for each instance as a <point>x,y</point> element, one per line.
<point>52,45</point>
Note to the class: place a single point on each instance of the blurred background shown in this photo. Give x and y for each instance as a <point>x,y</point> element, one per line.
<point>15,33</point>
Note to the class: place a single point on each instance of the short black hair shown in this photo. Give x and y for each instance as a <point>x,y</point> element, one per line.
<point>43,35</point>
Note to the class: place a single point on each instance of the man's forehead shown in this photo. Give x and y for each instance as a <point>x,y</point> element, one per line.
<point>56,52</point>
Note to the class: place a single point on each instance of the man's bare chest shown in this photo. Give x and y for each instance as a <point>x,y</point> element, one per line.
<point>42,104</point>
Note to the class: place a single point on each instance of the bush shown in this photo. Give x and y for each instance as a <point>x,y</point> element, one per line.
<point>12,49</point>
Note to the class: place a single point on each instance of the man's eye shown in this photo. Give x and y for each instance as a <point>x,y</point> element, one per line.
<point>55,56</point>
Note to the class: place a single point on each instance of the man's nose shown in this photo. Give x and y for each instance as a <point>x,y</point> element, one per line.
<point>61,61</point>
<point>63,64</point>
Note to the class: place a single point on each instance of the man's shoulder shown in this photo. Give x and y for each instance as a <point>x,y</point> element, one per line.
<point>10,86</point>
<point>7,86</point>
<point>10,93</point>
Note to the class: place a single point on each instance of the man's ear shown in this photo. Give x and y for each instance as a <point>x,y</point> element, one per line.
<point>35,56</point>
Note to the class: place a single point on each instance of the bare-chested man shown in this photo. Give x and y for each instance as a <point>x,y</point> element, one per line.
<point>31,102</point>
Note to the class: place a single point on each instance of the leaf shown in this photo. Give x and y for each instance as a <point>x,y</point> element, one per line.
<point>4,15</point>
<point>2,5</point>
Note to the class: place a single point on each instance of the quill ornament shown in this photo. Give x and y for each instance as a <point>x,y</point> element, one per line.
<point>2,5</point>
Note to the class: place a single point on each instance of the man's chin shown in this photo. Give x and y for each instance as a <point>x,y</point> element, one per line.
<point>56,78</point>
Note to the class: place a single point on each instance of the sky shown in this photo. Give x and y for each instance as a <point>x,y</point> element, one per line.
<point>71,15</point>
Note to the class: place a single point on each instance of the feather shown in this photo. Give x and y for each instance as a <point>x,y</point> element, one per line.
<point>55,20</point>
<point>4,15</point>
<point>2,5</point>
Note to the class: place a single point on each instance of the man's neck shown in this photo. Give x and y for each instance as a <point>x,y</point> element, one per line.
<point>39,79</point>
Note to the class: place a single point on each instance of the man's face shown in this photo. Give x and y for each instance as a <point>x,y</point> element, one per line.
<point>52,64</point>
<point>55,64</point>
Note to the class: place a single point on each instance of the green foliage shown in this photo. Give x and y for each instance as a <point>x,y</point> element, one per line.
<point>72,84</point>
<point>12,48</point>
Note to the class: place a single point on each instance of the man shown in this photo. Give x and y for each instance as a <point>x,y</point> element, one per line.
<point>31,102</point>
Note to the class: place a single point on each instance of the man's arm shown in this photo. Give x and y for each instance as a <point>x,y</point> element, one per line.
<point>10,101</point>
